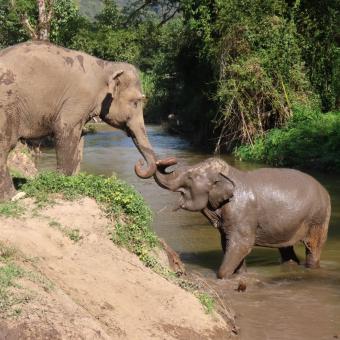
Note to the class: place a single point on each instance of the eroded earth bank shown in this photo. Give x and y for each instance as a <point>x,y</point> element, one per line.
<point>67,280</point>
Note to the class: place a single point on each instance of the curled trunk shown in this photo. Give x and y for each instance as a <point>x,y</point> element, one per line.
<point>169,181</point>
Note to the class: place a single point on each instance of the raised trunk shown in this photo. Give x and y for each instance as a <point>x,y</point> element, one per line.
<point>143,145</point>
<point>170,181</point>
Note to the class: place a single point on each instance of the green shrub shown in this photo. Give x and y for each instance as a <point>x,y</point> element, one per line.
<point>207,301</point>
<point>310,140</point>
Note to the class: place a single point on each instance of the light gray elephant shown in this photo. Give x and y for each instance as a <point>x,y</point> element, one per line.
<point>264,207</point>
<point>50,90</point>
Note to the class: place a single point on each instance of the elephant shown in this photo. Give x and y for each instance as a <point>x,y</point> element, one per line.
<point>268,207</point>
<point>47,90</point>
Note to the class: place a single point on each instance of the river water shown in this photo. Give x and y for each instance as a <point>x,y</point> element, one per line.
<point>281,302</point>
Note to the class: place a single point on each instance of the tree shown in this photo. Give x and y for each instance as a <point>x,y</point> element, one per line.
<point>41,31</point>
<point>318,23</point>
<point>58,21</point>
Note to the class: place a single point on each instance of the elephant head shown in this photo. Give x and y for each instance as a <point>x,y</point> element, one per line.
<point>206,184</point>
<point>123,108</point>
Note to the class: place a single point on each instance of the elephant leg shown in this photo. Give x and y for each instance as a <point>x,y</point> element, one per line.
<point>80,152</point>
<point>7,189</point>
<point>69,144</point>
<point>223,239</point>
<point>241,268</point>
<point>288,254</point>
<point>312,258</point>
<point>313,242</point>
<point>236,250</point>
<point>8,140</point>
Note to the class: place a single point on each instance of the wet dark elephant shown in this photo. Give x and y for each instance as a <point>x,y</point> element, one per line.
<point>50,90</point>
<point>265,207</point>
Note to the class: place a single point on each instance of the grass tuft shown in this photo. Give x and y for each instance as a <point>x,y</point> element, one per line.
<point>12,295</point>
<point>207,301</point>
<point>9,273</point>
<point>11,209</point>
<point>7,251</point>
<point>73,234</point>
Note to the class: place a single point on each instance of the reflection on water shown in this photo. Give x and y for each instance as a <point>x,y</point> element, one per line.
<point>293,304</point>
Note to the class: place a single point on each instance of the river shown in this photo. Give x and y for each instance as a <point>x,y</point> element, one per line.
<point>282,302</point>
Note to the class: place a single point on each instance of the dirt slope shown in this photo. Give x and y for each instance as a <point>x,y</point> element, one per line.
<point>100,291</point>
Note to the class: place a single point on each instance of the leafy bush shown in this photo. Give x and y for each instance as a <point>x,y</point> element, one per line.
<point>310,139</point>
<point>104,43</point>
<point>66,22</point>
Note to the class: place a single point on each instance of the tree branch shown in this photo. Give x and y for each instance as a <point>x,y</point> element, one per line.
<point>134,13</point>
<point>167,17</point>
<point>28,27</point>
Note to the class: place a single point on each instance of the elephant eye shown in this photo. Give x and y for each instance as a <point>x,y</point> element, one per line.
<point>135,103</point>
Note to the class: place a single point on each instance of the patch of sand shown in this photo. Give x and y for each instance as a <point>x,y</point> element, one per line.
<point>100,291</point>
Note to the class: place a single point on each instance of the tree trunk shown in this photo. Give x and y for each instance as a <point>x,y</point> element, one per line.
<point>42,31</point>
<point>45,16</point>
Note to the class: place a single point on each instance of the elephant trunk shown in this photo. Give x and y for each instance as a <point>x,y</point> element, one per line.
<point>143,145</point>
<point>169,181</point>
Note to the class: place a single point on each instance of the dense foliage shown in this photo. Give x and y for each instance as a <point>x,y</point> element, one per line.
<point>64,25</point>
<point>229,71</point>
<point>310,139</point>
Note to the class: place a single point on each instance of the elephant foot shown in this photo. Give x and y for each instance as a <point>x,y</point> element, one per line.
<point>312,263</point>
<point>223,275</point>
<point>220,275</point>
<point>8,195</point>
<point>312,266</point>
<point>290,263</point>
<point>289,266</point>
<point>7,190</point>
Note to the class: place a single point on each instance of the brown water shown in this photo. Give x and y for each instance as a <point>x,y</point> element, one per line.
<point>281,302</point>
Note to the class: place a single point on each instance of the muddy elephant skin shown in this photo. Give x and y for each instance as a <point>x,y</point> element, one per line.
<point>49,90</point>
<point>265,207</point>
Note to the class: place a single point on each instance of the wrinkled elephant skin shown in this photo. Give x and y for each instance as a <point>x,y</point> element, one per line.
<point>265,207</point>
<point>50,90</point>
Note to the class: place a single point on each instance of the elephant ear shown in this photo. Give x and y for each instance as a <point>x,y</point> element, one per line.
<point>221,191</point>
<point>114,82</point>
